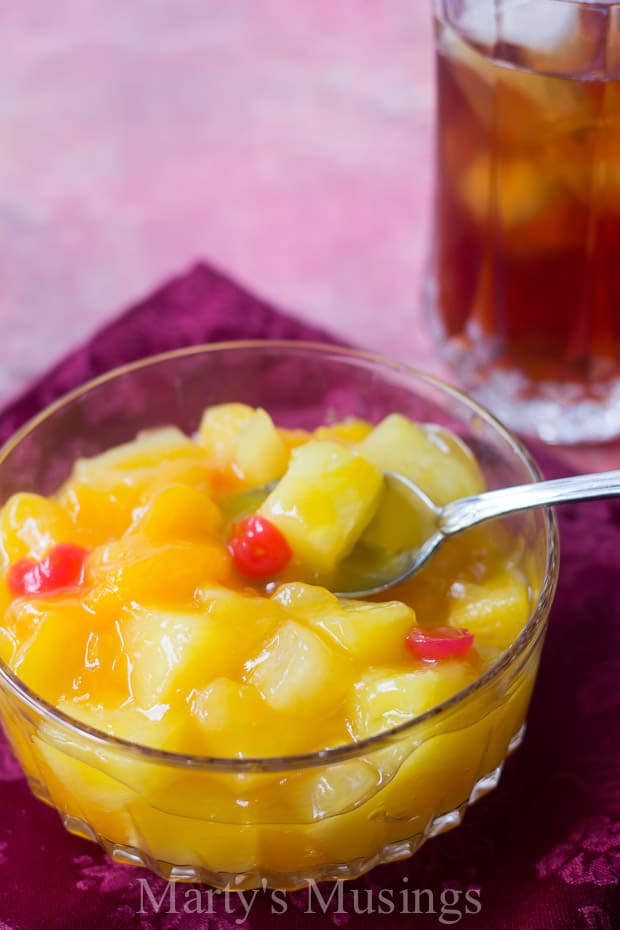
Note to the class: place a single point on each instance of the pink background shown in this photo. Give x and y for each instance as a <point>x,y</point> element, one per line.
<point>289,142</point>
<point>286,142</point>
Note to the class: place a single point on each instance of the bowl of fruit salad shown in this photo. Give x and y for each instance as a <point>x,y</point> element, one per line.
<point>176,676</point>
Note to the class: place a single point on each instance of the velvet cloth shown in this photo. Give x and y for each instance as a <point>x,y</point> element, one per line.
<point>541,852</point>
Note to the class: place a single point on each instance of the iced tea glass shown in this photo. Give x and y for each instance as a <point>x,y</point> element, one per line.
<point>525,265</point>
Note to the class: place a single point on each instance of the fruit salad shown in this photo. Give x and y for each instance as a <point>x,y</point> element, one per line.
<point>174,593</point>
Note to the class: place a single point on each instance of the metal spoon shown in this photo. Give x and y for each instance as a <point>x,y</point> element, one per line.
<point>361,578</point>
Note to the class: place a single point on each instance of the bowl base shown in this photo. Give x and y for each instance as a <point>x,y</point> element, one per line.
<point>392,852</point>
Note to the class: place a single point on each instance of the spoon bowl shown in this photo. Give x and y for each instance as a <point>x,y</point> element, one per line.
<point>363,573</point>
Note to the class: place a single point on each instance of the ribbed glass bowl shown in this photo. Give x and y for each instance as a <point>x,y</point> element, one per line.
<point>284,821</point>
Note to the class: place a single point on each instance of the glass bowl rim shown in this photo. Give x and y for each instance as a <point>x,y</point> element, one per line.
<point>335,754</point>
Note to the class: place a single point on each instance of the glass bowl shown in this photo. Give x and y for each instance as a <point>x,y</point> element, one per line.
<point>279,822</point>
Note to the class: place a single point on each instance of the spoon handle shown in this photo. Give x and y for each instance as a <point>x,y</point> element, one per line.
<point>469,511</point>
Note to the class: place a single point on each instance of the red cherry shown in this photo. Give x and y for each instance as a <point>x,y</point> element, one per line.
<point>23,577</point>
<point>258,548</point>
<point>442,642</point>
<point>62,567</point>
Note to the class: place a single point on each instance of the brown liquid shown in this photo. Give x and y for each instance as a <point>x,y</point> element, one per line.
<point>528,214</point>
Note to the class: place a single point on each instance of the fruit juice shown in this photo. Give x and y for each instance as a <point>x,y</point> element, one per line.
<point>528,203</point>
<point>143,603</point>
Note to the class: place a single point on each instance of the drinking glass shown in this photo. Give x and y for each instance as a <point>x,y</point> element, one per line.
<point>524,284</point>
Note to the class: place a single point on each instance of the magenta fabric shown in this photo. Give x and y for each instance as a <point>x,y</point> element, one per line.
<point>542,852</point>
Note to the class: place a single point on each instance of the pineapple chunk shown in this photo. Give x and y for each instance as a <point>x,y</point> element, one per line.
<point>173,653</point>
<point>104,779</point>
<point>308,600</point>
<point>234,722</point>
<point>150,449</point>
<point>435,459</point>
<point>212,834</point>
<point>371,632</point>
<point>329,791</point>
<point>241,609</point>
<point>158,729</point>
<point>30,525</point>
<point>260,452</point>
<point>218,431</point>
<point>53,657</point>
<point>170,652</point>
<point>495,611</point>
<point>324,502</point>
<point>386,699</point>
<point>178,512</point>
<point>223,700</point>
<point>297,672</point>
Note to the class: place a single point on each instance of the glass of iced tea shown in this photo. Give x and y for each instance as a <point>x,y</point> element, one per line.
<point>525,266</point>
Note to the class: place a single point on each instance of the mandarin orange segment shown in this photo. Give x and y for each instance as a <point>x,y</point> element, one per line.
<point>30,525</point>
<point>131,570</point>
<point>178,512</point>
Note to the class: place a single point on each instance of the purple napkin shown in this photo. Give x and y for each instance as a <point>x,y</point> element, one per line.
<point>542,852</point>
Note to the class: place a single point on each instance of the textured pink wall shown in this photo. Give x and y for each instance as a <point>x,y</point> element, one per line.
<point>288,141</point>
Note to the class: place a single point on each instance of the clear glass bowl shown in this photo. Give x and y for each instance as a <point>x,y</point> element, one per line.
<point>280,821</point>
